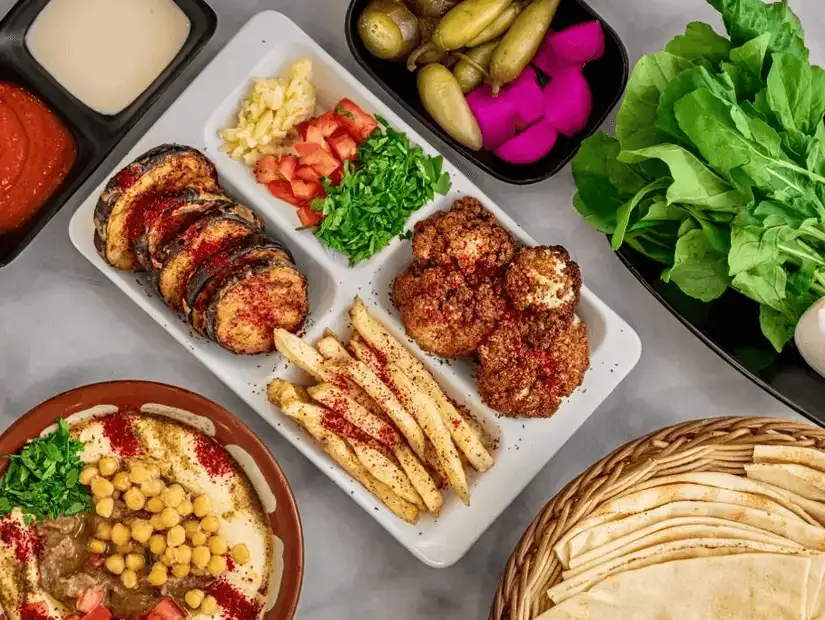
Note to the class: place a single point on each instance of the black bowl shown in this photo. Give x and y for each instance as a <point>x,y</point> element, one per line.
<point>607,78</point>
<point>730,326</point>
<point>96,134</point>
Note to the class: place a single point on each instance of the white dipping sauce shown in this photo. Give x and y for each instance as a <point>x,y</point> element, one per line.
<point>107,52</point>
<point>810,336</point>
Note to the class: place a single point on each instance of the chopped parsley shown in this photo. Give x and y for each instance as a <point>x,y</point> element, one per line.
<point>372,204</point>
<point>43,480</point>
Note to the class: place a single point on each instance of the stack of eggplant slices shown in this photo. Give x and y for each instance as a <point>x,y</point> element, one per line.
<point>208,256</point>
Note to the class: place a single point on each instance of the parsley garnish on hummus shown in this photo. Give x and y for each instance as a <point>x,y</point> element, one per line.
<point>43,480</point>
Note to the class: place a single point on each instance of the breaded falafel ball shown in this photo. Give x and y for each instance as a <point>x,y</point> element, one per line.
<point>544,280</point>
<point>467,238</point>
<point>443,312</point>
<point>527,366</point>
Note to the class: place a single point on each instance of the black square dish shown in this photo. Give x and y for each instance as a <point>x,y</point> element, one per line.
<point>607,78</point>
<point>730,326</point>
<point>95,134</point>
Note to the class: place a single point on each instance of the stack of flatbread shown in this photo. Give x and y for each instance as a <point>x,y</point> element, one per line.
<point>703,546</point>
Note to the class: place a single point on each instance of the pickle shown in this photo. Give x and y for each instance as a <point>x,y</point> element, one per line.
<point>465,21</point>
<point>427,52</point>
<point>521,42</point>
<point>499,26</point>
<point>472,66</point>
<point>430,8</point>
<point>443,99</point>
<point>388,29</point>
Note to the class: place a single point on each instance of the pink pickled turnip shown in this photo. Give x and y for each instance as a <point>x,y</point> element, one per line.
<point>496,116</point>
<point>568,102</point>
<point>526,96</point>
<point>530,145</point>
<point>578,44</point>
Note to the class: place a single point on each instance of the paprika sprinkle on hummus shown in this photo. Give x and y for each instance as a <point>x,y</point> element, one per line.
<point>36,153</point>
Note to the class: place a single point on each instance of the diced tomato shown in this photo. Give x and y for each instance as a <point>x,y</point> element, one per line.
<point>308,217</point>
<point>35,610</point>
<point>306,190</point>
<point>327,123</point>
<point>90,598</point>
<point>315,136</point>
<point>167,609</point>
<point>358,123</point>
<point>302,129</point>
<point>305,149</point>
<point>344,145</point>
<point>98,613</point>
<point>73,617</point>
<point>337,176</point>
<point>283,190</point>
<point>266,170</point>
<point>286,167</point>
<point>307,173</point>
<point>323,163</point>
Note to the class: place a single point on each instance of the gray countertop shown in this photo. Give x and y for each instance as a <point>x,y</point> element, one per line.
<point>63,324</point>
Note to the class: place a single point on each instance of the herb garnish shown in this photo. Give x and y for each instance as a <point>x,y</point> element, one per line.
<point>43,480</point>
<point>373,202</point>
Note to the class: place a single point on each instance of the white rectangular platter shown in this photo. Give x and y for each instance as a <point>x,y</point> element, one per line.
<point>265,47</point>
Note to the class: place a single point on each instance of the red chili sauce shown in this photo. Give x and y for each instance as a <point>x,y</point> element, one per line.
<point>36,153</point>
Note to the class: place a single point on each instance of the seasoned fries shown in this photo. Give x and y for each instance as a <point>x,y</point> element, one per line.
<point>381,416</point>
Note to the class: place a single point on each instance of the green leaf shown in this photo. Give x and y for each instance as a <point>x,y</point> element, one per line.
<point>700,44</point>
<point>777,327</point>
<point>746,66</point>
<point>626,211</point>
<point>766,284</point>
<point>699,270</point>
<point>684,83</point>
<point>790,84</point>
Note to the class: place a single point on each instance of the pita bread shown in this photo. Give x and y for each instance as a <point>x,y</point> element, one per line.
<point>671,531</point>
<point>767,587</point>
<point>811,507</point>
<point>799,479</point>
<point>666,552</point>
<point>810,457</point>
<point>815,577</point>
<point>598,537</point>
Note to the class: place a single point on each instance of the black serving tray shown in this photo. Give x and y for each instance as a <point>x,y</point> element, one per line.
<point>730,326</point>
<point>96,134</point>
<point>607,77</point>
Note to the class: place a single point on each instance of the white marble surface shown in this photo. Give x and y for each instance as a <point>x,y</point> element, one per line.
<point>63,325</point>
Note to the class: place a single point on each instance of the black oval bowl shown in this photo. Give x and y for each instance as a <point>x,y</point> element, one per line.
<point>96,134</point>
<point>607,78</point>
<point>730,326</point>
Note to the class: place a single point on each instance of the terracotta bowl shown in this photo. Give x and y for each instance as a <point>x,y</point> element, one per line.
<point>131,395</point>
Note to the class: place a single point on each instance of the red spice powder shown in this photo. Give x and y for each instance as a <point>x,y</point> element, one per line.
<point>35,611</point>
<point>337,424</point>
<point>117,428</point>
<point>234,605</point>
<point>230,564</point>
<point>23,540</point>
<point>128,176</point>
<point>212,457</point>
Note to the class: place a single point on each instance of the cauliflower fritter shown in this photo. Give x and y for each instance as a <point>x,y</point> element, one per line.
<point>467,238</point>
<point>445,313</point>
<point>527,366</point>
<point>544,280</point>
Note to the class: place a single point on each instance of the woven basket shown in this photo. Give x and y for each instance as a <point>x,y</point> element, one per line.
<point>717,444</point>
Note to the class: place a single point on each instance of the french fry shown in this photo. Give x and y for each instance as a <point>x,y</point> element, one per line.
<point>420,478</point>
<point>331,349</point>
<point>377,336</point>
<point>300,353</point>
<point>383,395</point>
<point>427,414</point>
<point>385,470</point>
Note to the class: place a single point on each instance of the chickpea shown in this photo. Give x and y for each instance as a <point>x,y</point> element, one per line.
<point>141,530</point>
<point>190,527</point>
<point>240,553</point>
<point>129,579</point>
<point>183,554</point>
<point>200,538</point>
<point>134,499</point>
<point>173,496</point>
<point>104,530</point>
<point>157,578</point>
<point>102,487</point>
<point>217,565</point>
<point>194,598</point>
<point>89,473</point>
<point>154,470</point>
<point>155,505</point>
<point>157,523</point>
<point>168,557</point>
<point>115,564</point>
<point>201,556</point>
<point>124,549</point>
<point>108,466</point>
<point>209,605</point>
<point>152,487</point>
<point>210,524</point>
<point>157,544</point>
<point>218,545</point>
<point>185,508</point>
<point>120,534</point>
<point>176,536</point>
<point>202,506</point>
<point>180,570</point>
<point>135,561</point>
<point>97,546</point>
<point>138,474</point>
<point>105,507</point>
<point>170,518</point>
<point>121,481</point>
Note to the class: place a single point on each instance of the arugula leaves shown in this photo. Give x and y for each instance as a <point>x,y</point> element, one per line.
<point>43,480</point>
<point>373,202</point>
<point>717,170</point>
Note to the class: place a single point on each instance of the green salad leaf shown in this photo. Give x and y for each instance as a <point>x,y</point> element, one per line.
<point>43,479</point>
<point>717,170</point>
